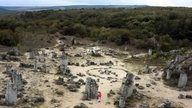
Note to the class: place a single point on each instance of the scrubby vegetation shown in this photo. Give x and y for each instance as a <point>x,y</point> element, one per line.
<point>151,27</point>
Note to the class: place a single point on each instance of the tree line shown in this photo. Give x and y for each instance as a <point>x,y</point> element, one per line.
<point>170,27</point>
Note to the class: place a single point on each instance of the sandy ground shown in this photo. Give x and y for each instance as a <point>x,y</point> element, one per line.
<point>37,83</point>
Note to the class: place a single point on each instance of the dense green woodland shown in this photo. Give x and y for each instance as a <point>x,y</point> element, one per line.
<point>151,27</point>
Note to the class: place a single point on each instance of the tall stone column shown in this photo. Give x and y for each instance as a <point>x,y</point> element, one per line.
<point>35,66</point>
<point>182,80</point>
<point>91,89</point>
<point>11,94</point>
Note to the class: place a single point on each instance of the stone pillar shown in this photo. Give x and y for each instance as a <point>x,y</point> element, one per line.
<point>35,66</point>
<point>126,89</point>
<point>44,68</point>
<point>64,62</point>
<point>179,58</point>
<point>63,66</point>
<point>62,69</point>
<point>73,41</point>
<point>31,55</point>
<point>8,69</point>
<point>182,80</point>
<point>168,74</point>
<point>11,94</point>
<point>147,69</point>
<point>17,80</point>
<point>43,53</point>
<point>190,68</point>
<point>54,55</point>
<point>149,52</point>
<point>42,57</point>
<point>91,89</point>
<point>122,102</point>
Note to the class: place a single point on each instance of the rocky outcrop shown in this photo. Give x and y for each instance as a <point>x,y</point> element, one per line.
<point>14,52</point>
<point>179,68</point>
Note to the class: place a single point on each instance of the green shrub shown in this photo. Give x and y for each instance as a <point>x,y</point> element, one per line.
<point>7,37</point>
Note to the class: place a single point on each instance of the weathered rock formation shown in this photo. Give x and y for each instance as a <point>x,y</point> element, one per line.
<point>179,69</point>
<point>35,66</point>
<point>31,55</point>
<point>11,94</point>
<point>14,52</point>
<point>91,89</point>
<point>17,80</point>
<point>126,89</point>
<point>63,69</point>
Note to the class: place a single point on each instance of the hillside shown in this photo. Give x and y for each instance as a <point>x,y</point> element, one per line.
<point>38,8</point>
<point>158,28</point>
<point>3,11</point>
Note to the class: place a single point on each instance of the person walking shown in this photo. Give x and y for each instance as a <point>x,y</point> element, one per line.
<point>99,96</point>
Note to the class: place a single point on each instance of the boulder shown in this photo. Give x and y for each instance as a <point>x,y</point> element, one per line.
<point>144,105</point>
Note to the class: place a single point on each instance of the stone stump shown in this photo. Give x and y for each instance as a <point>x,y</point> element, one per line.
<point>147,69</point>
<point>31,55</point>
<point>44,68</point>
<point>122,102</point>
<point>42,57</point>
<point>8,69</point>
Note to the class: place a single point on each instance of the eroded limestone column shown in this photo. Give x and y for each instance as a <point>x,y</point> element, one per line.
<point>182,80</point>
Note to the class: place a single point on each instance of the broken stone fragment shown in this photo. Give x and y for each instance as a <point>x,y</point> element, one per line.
<point>14,52</point>
<point>181,96</point>
<point>144,105</point>
<point>165,104</point>
<point>24,65</point>
<point>72,87</point>
<point>82,105</point>
<point>37,99</point>
<point>122,102</point>
<point>59,81</point>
